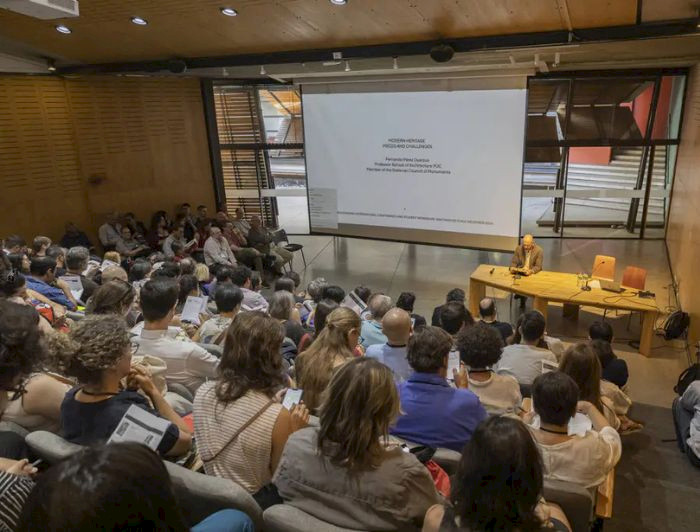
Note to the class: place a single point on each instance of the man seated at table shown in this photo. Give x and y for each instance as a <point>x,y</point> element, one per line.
<point>527,257</point>
<point>527,260</point>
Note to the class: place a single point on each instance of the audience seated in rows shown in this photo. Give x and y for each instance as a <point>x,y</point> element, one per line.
<point>240,428</point>
<point>344,471</point>
<point>217,250</point>
<point>581,459</point>
<point>242,277</point>
<point>488,314</point>
<point>396,326</point>
<point>323,310</point>
<point>98,352</point>
<point>188,364</point>
<point>371,332</point>
<point>108,233</point>
<point>480,349</point>
<point>433,412</point>
<point>122,486</point>
<point>456,294</point>
<point>498,485</point>
<point>524,361</point>
<point>332,347</point>
<point>614,369</point>
<point>454,317</point>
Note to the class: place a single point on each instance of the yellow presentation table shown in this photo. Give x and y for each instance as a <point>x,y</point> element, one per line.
<point>557,287</point>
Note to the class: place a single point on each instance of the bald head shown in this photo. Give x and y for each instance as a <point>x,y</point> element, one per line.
<point>487,308</point>
<point>528,242</point>
<point>396,325</point>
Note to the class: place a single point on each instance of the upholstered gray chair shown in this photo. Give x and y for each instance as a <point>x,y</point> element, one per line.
<point>286,518</point>
<point>576,501</point>
<point>199,495</point>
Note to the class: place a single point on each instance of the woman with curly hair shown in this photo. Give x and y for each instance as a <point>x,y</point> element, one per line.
<point>332,348</point>
<point>240,426</point>
<point>98,353</point>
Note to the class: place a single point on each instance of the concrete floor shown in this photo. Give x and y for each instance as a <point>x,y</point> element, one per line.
<point>431,271</point>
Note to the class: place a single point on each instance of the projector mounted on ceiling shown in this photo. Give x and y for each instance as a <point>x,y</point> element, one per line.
<point>43,9</point>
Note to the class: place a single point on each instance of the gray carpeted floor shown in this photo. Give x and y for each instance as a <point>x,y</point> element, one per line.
<point>656,487</point>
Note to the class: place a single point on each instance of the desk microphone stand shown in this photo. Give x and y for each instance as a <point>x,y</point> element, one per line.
<point>586,288</point>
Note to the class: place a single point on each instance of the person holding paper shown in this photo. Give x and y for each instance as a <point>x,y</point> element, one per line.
<point>98,352</point>
<point>240,426</point>
<point>177,234</point>
<point>585,460</point>
<point>527,257</point>
<point>188,364</point>
<point>128,246</point>
<point>433,412</point>
<point>77,260</point>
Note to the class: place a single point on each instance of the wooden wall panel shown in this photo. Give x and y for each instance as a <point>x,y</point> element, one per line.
<point>683,235</point>
<point>77,149</point>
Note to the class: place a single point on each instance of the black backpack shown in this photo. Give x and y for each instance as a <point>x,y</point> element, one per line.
<point>676,324</point>
<point>687,378</point>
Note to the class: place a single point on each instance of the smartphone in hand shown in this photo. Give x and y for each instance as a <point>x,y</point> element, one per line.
<point>452,363</point>
<point>291,398</point>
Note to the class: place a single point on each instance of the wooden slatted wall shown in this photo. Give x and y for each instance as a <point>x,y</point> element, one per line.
<point>683,234</point>
<point>77,149</point>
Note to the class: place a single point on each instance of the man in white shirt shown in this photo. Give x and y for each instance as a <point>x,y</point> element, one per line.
<point>217,249</point>
<point>187,363</point>
<point>252,300</point>
<point>396,326</point>
<point>109,232</point>
<point>524,361</point>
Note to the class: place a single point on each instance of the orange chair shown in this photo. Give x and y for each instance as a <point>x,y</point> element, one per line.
<point>603,267</point>
<point>634,277</point>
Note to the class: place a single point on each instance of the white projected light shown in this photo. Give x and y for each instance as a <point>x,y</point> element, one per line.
<point>445,164</point>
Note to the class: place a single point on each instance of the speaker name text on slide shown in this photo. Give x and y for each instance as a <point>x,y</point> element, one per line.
<point>434,161</point>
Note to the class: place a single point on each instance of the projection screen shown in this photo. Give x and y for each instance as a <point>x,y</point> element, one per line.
<point>439,167</point>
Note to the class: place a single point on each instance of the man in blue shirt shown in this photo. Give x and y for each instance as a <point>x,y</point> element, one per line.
<point>371,332</point>
<point>396,325</point>
<point>435,414</point>
<point>42,279</point>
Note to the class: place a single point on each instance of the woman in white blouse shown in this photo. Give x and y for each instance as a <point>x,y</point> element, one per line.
<point>585,460</point>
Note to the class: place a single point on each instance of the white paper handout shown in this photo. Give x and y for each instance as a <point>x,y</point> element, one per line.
<point>140,426</point>
<point>74,284</point>
<point>578,425</point>
<point>194,306</point>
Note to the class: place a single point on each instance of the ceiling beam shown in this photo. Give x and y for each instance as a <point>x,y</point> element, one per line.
<point>460,45</point>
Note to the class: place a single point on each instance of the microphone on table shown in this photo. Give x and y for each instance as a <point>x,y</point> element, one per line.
<point>492,270</point>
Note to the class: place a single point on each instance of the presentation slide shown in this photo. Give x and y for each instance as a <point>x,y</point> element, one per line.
<point>432,167</point>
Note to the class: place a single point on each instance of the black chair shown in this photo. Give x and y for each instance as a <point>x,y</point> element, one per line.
<point>280,235</point>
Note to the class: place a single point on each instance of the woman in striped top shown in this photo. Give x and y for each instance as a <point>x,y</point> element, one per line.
<point>240,426</point>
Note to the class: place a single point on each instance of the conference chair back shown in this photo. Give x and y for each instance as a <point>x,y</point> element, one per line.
<point>634,277</point>
<point>603,267</point>
<point>198,495</point>
<point>576,502</point>
<point>286,518</point>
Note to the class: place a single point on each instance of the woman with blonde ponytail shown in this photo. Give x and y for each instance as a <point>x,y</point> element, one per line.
<point>332,348</point>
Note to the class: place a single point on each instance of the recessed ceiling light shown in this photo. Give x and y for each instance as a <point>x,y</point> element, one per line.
<point>339,2</point>
<point>63,29</point>
<point>139,21</point>
<point>228,11</point>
